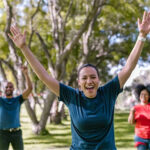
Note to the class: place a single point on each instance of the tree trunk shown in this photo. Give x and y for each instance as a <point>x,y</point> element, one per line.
<point>55,115</point>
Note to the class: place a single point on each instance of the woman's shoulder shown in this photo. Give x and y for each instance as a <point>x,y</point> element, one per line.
<point>139,107</point>
<point>64,86</point>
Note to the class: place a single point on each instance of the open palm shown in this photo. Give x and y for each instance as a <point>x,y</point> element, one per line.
<point>144,25</point>
<point>18,38</point>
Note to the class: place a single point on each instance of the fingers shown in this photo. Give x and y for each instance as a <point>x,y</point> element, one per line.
<point>148,16</point>
<point>11,37</point>
<point>144,16</point>
<point>16,34</point>
<point>14,30</point>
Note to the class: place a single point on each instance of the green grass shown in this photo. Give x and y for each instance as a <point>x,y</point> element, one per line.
<point>59,137</point>
<point>124,132</point>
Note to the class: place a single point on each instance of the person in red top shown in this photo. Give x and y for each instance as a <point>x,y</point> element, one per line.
<point>140,117</point>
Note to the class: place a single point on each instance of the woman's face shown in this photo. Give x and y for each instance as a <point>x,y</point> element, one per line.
<point>88,81</point>
<point>144,96</point>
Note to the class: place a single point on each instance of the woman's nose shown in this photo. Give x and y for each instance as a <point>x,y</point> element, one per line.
<point>89,80</point>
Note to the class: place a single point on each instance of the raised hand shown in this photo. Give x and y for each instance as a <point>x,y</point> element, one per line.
<point>24,69</point>
<point>144,25</point>
<point>18,38</point>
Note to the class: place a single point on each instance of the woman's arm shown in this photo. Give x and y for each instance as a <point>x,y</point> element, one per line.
<point>144,29</point>
<point>20,41</point>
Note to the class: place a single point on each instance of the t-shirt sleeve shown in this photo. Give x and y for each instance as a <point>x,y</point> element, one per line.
<point>112,89</point>
<point>21,100</point>
<point>67,93</point>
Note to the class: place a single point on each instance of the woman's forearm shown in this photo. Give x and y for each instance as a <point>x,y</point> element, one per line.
<point>40,71</point>
<point>131,118</point>
<point>131,61</point>
<point>135,54</point>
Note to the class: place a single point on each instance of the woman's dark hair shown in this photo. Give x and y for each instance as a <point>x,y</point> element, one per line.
<point>140,87</point>
<point>87,65</point>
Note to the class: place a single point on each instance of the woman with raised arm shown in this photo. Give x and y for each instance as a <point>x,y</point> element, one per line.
<point>140,117</point>
<point>91,107</point>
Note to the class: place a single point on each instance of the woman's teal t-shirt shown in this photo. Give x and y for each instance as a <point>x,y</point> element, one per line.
<point>92,118</point>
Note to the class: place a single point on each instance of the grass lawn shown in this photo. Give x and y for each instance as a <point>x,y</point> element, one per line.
<point>124,132</point>
<point>59,137</point>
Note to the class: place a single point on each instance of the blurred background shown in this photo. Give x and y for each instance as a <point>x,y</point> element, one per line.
<point>64,35</point>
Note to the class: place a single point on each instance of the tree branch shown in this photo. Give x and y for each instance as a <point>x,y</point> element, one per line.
<point>31,23</point>
<point>45,48</point>
<point>12,70</point>
<point>2,71</point>
<point>9,12</point>
<point>96,6</point>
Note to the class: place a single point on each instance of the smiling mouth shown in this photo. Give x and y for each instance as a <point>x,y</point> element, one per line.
<point>90,87</point>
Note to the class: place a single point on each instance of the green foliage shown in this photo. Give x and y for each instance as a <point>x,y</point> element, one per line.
<point>113,35</point>
<point>116,29</point>
<point>4,51</point>
<point>1,5</point>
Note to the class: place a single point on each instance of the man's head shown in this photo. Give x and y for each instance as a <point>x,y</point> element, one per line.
<point>9,88</point>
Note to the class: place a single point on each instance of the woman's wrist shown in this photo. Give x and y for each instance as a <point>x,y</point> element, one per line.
<point>24,47</point>
<point>140,38</point>
<point>142,35</point>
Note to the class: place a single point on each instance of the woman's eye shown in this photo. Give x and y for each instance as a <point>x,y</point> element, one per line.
<point>83,78</point>
<point>93,77</point>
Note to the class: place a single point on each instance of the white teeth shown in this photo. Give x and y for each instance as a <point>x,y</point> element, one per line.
<point>90,87</point>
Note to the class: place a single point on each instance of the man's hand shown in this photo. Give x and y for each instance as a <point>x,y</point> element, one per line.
<point>28,89</point>
<point>24,69</point>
